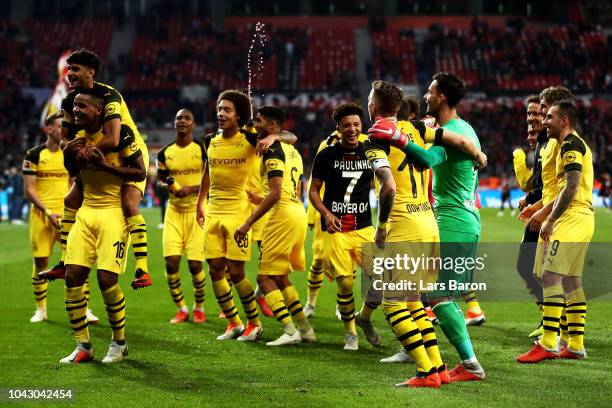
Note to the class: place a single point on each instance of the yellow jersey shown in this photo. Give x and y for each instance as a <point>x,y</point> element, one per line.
<point>100,188</point>
<point>231,163</point>
<point>575,154</point>
<point>549,171</point>
<point>523,174</point>
<point>412,182</point>
<point>52,178</point>
<point>283,160</point>
<point>186,165</point>
<point>114,107</point>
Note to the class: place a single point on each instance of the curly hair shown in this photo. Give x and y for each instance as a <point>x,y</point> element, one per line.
<point>388,97</point>
<point>346,109</point>
<point>242,104</point>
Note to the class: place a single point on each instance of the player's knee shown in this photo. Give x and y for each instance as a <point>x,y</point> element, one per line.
<point>216,269</point>
<point>263,281</point>
<point>40,262</point>
<point>107,279</point>
<point>130,200</point>
<point>282,281</point>
<point>236,270</point>
<point>344,283</point>
<point>195,267</point>
<point>76,275</point>
<point>172,264</point>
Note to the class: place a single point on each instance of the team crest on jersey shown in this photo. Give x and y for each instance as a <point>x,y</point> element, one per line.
<point>44,161</point>
<point>239,144</point>
<point>370,155</point>
<point>195,157</point>
<point>110,109</point>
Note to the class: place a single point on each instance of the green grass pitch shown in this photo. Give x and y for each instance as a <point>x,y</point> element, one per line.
<point>185,366</point>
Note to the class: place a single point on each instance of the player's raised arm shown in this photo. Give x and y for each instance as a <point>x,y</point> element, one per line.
<point>425,158</point>
<point>387,131</point>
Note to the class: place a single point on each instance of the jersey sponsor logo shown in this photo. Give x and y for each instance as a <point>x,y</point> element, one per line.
<point>412,208</point>
<point>354,164</point>
<point>133,147</point>
<point>27,164</point>
<point>349,208</point>
<point>52,174</point>
<point>184,172</point>
<point>227,162</point>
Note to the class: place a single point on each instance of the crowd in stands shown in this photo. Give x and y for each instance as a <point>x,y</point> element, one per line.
<point>519,59</point>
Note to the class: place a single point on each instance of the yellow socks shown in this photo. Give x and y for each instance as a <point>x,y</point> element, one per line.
<point>115,309</point>
<point>576,318</point>
<point>199,281</point>
<point>276,302</point>
<point>223,293</point>
<point>40,288</point>
<point>407,333</point>
<point>66,225</point>
<point>554,301</point>
<point>315,281</point>
<point>247,297</point>
<point>428,333</point>
<point>76,306</point>
<point>174,284</point>
<point>138,235</point>
<point>346,303</point>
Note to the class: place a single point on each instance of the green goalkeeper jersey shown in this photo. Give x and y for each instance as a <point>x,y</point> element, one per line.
<point>454,185</point>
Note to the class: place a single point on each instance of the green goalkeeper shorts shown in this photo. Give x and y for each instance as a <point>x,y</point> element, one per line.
<point>458,254</point>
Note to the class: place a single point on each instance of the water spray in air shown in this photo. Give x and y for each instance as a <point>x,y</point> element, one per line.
<point>255,63</point>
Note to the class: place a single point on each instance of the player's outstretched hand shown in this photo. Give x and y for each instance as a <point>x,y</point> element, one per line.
<point>481,160</point>
<point>385,130</point>
<point>241,233</point>
<point>333,223</point>
<point>522,204</point>
<point>200,215</point>
<point>380,237</point>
